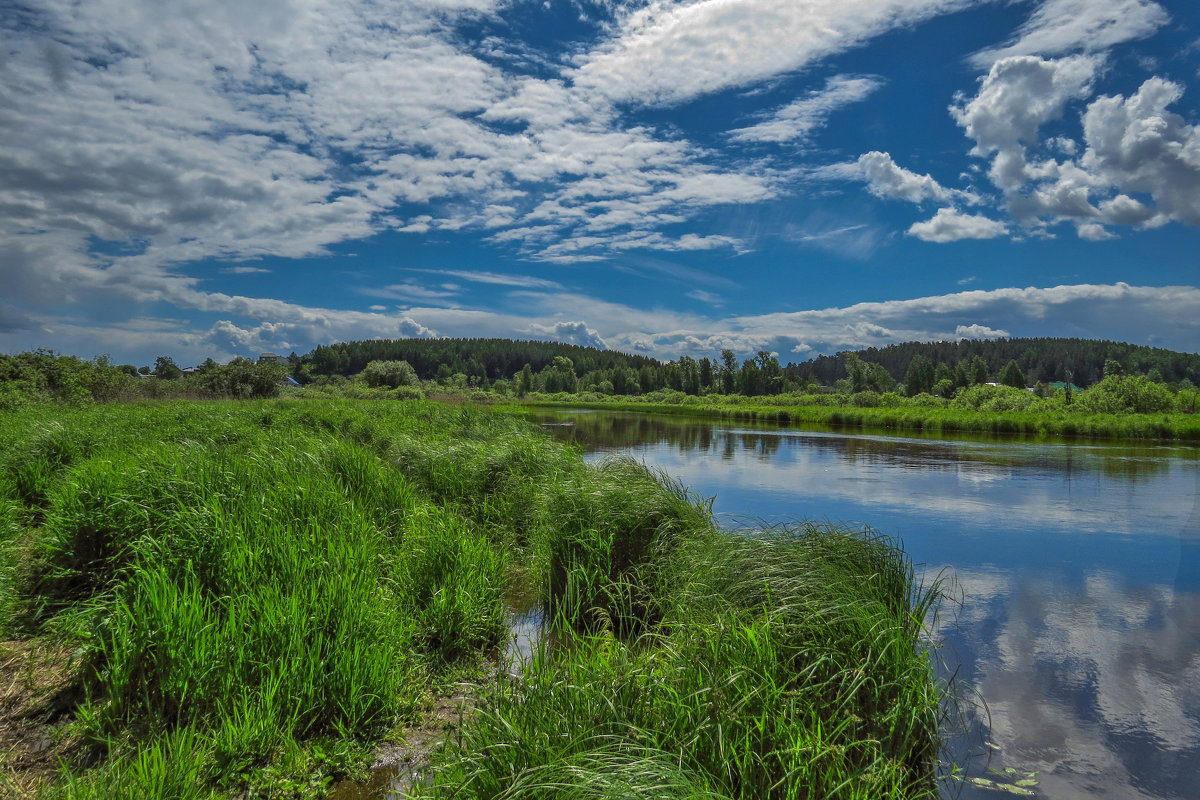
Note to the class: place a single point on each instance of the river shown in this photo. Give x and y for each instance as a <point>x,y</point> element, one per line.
<point>1074,610</point>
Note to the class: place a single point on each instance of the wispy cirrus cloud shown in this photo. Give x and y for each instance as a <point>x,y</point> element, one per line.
<point>799,119</point>
<point>1057,27</point>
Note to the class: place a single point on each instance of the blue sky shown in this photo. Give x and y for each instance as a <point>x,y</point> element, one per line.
<point>215,178</point>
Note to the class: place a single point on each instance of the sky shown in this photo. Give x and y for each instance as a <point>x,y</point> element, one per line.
<point>220,178</point>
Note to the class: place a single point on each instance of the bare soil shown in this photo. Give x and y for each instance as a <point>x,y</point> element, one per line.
<point>37,697</point>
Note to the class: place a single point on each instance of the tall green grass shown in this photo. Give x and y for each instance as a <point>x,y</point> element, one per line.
<point>252,586</point>
<point>787,665</point>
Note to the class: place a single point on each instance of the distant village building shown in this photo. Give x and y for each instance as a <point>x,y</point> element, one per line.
<point>272,358</point>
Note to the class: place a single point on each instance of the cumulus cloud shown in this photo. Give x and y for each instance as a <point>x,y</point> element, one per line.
<point>1140,163</point>
<point>571,333</point>
<point>979,332</point>
<point>798,120</point>
<point>888,180</point>
<point>951,225</point>
<point>1017,96</point>
<point>1137,146</point>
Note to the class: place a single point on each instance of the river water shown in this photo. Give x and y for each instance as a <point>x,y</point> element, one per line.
<point>1075,612</point>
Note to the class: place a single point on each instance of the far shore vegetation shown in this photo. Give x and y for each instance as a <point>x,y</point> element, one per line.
<point>1150,395</point>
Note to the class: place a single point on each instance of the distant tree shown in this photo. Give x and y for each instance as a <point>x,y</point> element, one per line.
<point>974,370</point>
<point>750,378</point>
<point>389,374</point>
<point>770,373</point>
<point>166,368</point>
<point>525,380</point>
<point>856,372</point>
<point>1012,376</point>
<point>240,378</point>
<point>729,371</point>
<point>918,378</point>
<point>707,373</point>
<point>1112,367</point>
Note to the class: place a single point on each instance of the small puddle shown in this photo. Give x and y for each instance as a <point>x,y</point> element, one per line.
<point>391,781</point>
<point>527,630</point>
<point>385,783</point>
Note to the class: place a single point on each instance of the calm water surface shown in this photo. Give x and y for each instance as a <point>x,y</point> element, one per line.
<point>1077,565</point>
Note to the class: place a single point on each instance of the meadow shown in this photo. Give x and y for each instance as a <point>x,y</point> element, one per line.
<point>247,598</point>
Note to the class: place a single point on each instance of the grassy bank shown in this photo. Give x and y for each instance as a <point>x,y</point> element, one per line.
<point>245,598</point>
<point>933,418</point>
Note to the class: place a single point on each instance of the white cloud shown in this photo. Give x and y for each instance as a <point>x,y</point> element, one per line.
<point>1066,26</point>
<point>1136,145</point>
<point>245,271</point>
<point>408,291</point>
<point>797,120</point>
<point>888,180</point>
<point>1135,149</point>
<point>668,52</point>
<point>950,225</point>
<point>1018,96</point>
<point>979,332</point>
<point>706,297</point>
<point>570,333</point>
<point>495,278</point>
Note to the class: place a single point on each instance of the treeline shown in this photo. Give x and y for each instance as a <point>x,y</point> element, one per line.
<point>1044,360</point>
<point>479,359</point>
<point>44,376</point>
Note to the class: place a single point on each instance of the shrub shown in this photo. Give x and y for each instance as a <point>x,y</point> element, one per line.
<point>1118,394</point>
<point>866,399</point>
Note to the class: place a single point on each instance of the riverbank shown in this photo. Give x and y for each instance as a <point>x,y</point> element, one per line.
<point>250,597</point>
<point>933,419</point>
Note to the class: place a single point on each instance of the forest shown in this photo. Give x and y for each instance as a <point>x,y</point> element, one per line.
<point>1049,360</point>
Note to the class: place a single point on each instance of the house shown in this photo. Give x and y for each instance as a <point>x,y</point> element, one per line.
<point>272,358</point>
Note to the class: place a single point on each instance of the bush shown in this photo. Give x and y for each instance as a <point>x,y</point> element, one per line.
<point>994,398</point>
<point>1123,394</point>
<point>391,374</point>
<point>866,399</point>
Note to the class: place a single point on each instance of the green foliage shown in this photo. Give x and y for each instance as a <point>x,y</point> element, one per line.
<point>42,376</point>
<point>918,378</point>
<point>240,379</point>
<point>390,374</point>
<point>1123,394</point>
<point>1011,375</point>
<point>1048,360</point>
<point>165,368</point>
<point>996,399</point>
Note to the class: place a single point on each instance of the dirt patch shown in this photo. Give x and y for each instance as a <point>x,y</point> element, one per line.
<point>399,766</point>
<point>37,698</point>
